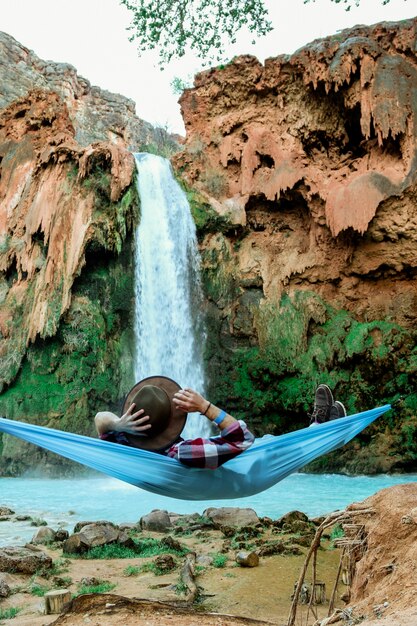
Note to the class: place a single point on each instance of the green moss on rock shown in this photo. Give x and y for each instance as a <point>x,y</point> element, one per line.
<point>304,341</point>
<point>87,365</point>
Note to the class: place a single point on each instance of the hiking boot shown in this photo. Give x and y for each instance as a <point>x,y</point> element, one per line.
<point>322,403</point>
<point>337,410</point>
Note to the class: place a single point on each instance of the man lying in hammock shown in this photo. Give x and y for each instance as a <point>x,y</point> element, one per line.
<point>154,414</point>
<point>155,411</point>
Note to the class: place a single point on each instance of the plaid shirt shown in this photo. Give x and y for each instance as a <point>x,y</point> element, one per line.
<point>205,453</point>
<point>213,452</point>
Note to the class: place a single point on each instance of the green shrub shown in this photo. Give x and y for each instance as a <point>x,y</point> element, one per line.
<point>9,613</point>
<point>337,532</point>
<point>151,566</point>
<point>181,589</point>
<point>143,547</point>
<point>102,587</point>
<point>131,570</point>
<point>219,560</point>
<point>39,590</point>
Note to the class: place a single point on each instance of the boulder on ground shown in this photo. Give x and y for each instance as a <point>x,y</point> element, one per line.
<point>291,517</point>
<point>23,560</point>
<point>156,521</point>
<point>75,544</point>
<point>165,562</point>
<point>61,535</point>
<point>91,536</point>
<point>80,525</point>
<point>124,539</point>
<point>99,534</point>
<point>4,510</point>
<point>232,517</point>
<point>5,590</point>
<point>247,559</point>
<point>43,535</point>
<point>298,526</point>
<point>275,547</point>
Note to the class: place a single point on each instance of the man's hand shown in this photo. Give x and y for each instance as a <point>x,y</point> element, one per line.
<point>190,401</point>
<point>133,423</point>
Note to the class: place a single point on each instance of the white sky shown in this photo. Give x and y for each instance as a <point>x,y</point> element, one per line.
<point>92,36</point>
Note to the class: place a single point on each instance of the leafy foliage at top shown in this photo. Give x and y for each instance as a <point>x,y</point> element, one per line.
<point>204,26</point>
<point>173,27</point>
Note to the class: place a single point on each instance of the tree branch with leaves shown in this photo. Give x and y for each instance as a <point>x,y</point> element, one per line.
<point>204,27</point>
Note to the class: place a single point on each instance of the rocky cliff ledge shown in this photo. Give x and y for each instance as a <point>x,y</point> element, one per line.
<point>308,168</point>
<point>96,114</point>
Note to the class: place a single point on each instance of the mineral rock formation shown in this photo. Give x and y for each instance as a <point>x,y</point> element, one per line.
<point>46,220</point>
<point>96,114</point>
<point>326,137</point>
<point>307,165</point>
<point>68,205</point>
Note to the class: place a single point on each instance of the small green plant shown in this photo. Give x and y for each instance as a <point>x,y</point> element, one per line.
<point>110,551</point>
<point>196,147</point>
<point>181,588</point>
<point>151,566</point>
<point>143,547</point>
<point>337,532</point>
<point>219,560</point>
<point>178,85</point>
<point>9,613</point>
<point>39,590</point>
<point>131,570</point>
<point>102,587</point>
<point>5,242</point>
<point>72,172</point>
<point>58,567</point>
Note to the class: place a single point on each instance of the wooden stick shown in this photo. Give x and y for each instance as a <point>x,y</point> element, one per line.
<point>187,577</point>
<point>336,582</point>
<point>331,520</point>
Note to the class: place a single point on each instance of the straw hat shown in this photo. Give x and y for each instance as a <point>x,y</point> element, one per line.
<point>154,395</point>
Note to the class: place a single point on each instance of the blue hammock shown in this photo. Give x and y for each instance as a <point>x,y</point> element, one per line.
<point>266,462</point>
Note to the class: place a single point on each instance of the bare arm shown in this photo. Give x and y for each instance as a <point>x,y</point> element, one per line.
<point>132,423</point>
<point>191,401</point>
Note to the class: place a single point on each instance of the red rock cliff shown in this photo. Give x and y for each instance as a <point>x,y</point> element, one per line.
<point>67,210</point>
<point>329,133</point>
<point>310,164</point>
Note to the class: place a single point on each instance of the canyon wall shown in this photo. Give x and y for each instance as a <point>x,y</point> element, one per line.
<point>301,175</point>
<point>306,169</point>
<point>68,208</point>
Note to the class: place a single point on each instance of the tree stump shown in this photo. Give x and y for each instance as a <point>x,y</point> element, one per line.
<point>55,600</point>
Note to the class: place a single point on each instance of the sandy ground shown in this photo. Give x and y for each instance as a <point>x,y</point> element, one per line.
<point>261,593</point>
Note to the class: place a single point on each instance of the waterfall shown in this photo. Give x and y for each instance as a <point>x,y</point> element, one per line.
<point>168,322</point>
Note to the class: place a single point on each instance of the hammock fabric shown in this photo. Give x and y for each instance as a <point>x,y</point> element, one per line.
<point>266,462</point>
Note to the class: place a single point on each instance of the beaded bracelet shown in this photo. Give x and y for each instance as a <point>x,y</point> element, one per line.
<point>220,417</point>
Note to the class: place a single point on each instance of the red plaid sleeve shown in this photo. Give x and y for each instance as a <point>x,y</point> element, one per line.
<point>213,452</point>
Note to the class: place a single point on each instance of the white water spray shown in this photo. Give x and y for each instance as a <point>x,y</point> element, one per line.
<point>168,323</point>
